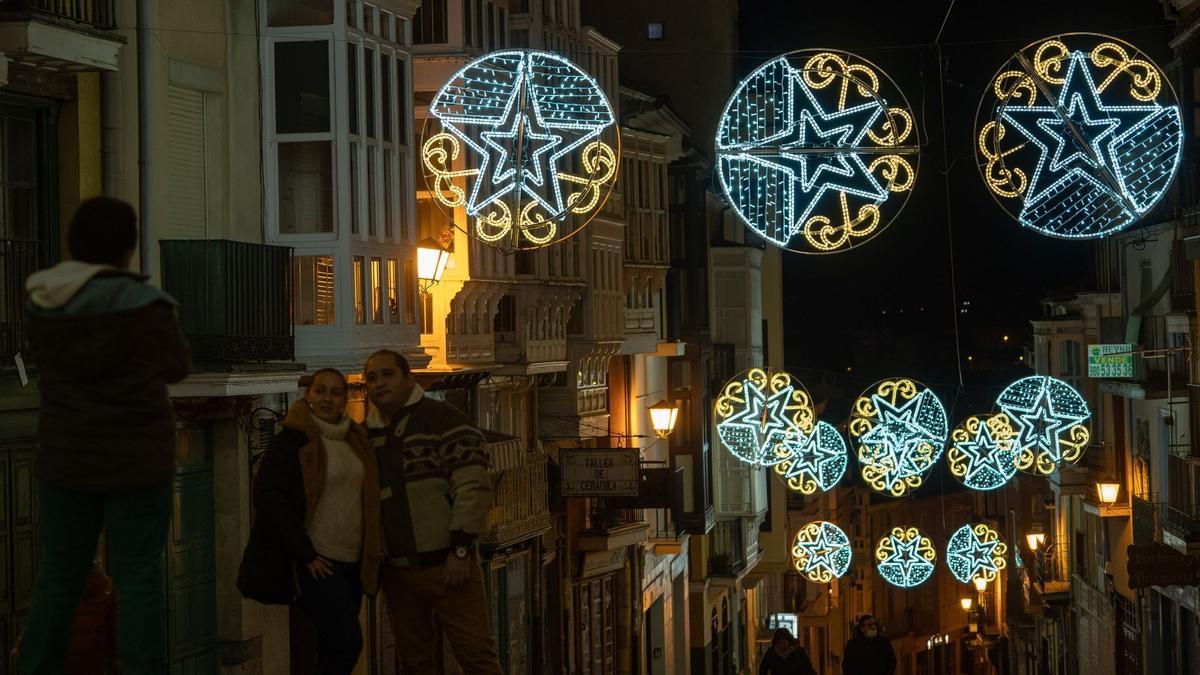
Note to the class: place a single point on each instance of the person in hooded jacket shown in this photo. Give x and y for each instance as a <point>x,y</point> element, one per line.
<point>107,344</point>
<point>785,657</point>
<point>868,652</point>
<point>315,538</point>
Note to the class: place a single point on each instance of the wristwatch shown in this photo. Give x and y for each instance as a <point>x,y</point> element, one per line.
<point>461,552</point>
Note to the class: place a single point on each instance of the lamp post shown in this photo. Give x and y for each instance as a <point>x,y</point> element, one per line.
<point>662,417</point>
<point>431,262</point>
<point>1036,539</point>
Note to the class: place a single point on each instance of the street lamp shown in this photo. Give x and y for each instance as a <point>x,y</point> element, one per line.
<point>980,584</point>
<point>431,262</point>
<point>1108,492</point>
<point>662,418</point>
<point>1035,538</point>
<point>966,603</point>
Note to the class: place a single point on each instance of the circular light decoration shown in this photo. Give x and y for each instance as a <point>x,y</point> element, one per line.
<point>524,142</point>
<point>983,452</point>
<point>759,412</point>
<point>1049,418</point>
<point>814,461</point>
<point>975,552</point>
<point>905,557</point>
<point>1079,135</point>
<point>899,429</point>
<point>821,551</point>
<point>814,149</point>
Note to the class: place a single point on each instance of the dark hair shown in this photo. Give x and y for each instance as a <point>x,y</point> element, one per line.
<point>782,634</point>
<point>326,371</point>
<point>863,618</point>
<point>102,231</point>
<point>401,362</point>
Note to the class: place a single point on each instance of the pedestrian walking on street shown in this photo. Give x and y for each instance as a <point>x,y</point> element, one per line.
<point>315,538</point>
<point>868,652</point>
<point>786,656</point>
<point>107,345</point>
<point>435,496</point>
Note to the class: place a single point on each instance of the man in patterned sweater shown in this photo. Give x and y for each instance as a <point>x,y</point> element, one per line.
<point>435,494</point>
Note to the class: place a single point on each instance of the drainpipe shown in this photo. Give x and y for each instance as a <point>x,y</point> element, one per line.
<point>110,122</point>
<point>147,15</point>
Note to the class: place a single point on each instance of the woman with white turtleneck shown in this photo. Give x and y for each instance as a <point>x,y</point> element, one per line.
<point>315,540</point>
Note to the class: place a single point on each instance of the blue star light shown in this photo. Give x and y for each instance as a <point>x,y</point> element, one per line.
<point>759,414</point>
<point>799,165</point>
<point>983,452</point>
<point>905,557</point>
<point>1086,160</point>
<point>901,429</point>
<point>533,142</point>
<point>1049,418</point>
<point>975,551</point>
<point>821,551</point>
<point>815,461</point>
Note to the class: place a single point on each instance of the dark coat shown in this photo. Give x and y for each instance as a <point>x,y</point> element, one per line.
<point>795,663</point>
<point>104,362</point>
<point>869,656</point>
<point>286,490</point>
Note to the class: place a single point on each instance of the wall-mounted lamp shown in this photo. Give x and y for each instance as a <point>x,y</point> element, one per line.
<point>1108,492</point>
<point>966,603</point>
<point>662,417</point>
<point>431,262</point>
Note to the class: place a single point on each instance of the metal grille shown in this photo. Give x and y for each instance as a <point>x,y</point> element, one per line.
<point>18,259</point>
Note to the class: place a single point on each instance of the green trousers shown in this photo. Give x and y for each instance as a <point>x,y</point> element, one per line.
<point>135,524</point>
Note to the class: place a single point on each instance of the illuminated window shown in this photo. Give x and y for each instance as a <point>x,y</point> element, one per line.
<point>410,292</point>
<point>376,290</point>
<point>312,279</point>
<point>654,30</point>
<point>393,290</point>
<point>360,310</point>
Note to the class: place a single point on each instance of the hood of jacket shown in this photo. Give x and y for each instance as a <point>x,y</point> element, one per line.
<point>75,299</point>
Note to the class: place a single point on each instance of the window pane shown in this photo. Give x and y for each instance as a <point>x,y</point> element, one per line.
<point>352,13</point>
<point>401,104</point>
<point>429,23</point>
<point>301,87</point>
<point>385,94</point>
<point>299,12</point>
<point>355,179</point>
<point>360,310</point>
<point>388,190</point>
<point>312,302</point>
<point>306,187</point>
<point>376,290</point>
<point>410,292</point>
<point>372,189</point>
<point>393,291</point>
<point>368,19</point>
<point>352,84</point>
<point>369,86</point>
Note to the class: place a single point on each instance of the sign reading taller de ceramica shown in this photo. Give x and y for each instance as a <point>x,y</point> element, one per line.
<point>1161,565</point>
<point>612,472</point>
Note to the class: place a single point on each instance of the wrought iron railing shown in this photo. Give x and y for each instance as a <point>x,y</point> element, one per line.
<point>1183,279</point>
<point>100,14</point>
<point>18,259</point>
<point>662,524</point>
<point>519,497</point>
<point>601,517</point>
<point>234,298</point>
<point>1181,521</point>
<point>727,553</point>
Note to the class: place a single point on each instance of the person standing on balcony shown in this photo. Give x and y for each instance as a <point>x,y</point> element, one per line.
<point>786,656</point>
<point>435,493</point>
<point>868,652</point>
<point>107,345</point>
<point>315,539</point>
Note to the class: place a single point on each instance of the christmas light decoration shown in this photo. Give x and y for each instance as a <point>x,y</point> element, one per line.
<point>1049,418</point>
<point>812,149</point>
<point>535,128</point>
<point>905,557</point>
<point>814,461</point>
<point>759,413</point>
<point>899,429</point>
<point>1079,135</point>
<point>975,552</point>
<point>983,452</point>
<point>821,551</point>
<point>1017,558</point>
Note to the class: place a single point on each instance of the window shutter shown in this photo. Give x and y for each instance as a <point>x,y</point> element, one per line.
<point>186,218</point>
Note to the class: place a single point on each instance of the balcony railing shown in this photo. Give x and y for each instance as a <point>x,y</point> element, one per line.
<point>519,508</point>
<point>1183,522</point>
<point>18,259</point>
<point>99,14</point>
<point>601,517</point>
<point>234,299</point>
<point>1183,279</point>
<point>727,552</point>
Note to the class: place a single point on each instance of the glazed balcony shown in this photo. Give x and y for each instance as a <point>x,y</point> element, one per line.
<point>519,509</point>
<point>234,298</point>
<point>18,259</point>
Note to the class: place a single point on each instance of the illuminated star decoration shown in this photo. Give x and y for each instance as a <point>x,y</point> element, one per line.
<point>759,413</point>
<point>1092,158</point>
<point>1049,418</point>
<point>900,430</point>
<point>905,557</point>
<point>814,461</point>
<point>975,552</point>
<point>531,122</point>
<point>983,452</point>
<point>821,551</point>
<point>807,155</point>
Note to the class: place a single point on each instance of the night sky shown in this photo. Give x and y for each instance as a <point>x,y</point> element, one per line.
<point>836,303</point>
